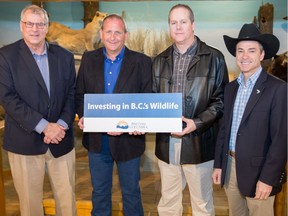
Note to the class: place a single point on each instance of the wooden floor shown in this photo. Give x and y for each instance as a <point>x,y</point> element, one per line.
<point>150,186</point>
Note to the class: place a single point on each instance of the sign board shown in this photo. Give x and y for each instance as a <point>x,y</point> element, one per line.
<point>144,112</point>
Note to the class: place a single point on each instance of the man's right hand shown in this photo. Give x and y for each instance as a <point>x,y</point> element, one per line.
<point>81,123</point>
<point>216,176</point>
<point>54,133</point>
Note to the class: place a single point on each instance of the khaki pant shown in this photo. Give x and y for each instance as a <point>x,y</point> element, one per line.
<point>173,181</point>
<point>28,176</point>
<point>240,205</point>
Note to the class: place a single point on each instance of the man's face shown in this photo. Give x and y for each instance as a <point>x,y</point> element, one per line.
<point>249,56</point>
<point>181,27</point>
<point>34,36</point>
<point>113,36</point>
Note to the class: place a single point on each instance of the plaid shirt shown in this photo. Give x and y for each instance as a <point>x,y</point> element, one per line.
<point>242,97</point>
<point>180,67</point>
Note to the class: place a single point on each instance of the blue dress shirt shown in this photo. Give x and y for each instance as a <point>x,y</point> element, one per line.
<point>242,97</point>
<point>111,73</point>
<point>42,62</point>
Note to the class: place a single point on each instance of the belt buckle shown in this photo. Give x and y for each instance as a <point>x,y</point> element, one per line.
<point>232,154</point>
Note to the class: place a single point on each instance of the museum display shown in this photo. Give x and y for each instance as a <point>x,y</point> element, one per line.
<point>77,40</point>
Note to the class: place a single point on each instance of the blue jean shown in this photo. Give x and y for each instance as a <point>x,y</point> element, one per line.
<point>101,170</point>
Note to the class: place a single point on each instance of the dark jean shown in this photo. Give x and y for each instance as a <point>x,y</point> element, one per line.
<point>101,170</point>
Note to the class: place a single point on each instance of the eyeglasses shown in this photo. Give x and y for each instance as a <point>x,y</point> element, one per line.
<point>31,24</point>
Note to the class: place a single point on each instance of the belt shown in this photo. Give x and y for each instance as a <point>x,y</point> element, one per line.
<point>232,154</point>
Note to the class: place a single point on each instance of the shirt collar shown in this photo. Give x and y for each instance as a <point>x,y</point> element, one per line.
<point>119,57</point>
<point>251,80</point>
<point>190,51</point>
<point>43,53</point>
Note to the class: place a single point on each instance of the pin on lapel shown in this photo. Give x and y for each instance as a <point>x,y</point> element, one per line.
<point>257,91</point>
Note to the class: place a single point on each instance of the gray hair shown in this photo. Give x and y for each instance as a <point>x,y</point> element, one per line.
<point>35,10</point>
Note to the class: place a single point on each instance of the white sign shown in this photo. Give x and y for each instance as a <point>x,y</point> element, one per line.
<point>133,112</point>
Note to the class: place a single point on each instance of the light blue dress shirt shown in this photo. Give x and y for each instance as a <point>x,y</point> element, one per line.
<point>242,97</point>
<point>42,62</point>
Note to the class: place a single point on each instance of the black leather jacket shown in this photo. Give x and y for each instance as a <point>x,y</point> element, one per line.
<point>203,100</point>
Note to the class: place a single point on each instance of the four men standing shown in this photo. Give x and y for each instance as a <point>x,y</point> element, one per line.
<point>251,148</point>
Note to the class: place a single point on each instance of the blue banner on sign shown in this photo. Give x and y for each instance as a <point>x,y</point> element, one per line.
<point>142,105</point>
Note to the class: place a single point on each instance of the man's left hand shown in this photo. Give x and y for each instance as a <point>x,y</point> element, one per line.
<point>262,191</point>
<point>190,127</point>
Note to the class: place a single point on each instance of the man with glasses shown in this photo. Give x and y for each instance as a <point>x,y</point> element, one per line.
<point>37,87</point>
<point>31,24</point>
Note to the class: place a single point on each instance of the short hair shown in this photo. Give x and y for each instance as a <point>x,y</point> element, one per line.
<point>35,10</point>
<point>114,16</point>
<point>191,14</point>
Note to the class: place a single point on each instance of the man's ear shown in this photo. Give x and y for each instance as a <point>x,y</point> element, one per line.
<point>262,55</point>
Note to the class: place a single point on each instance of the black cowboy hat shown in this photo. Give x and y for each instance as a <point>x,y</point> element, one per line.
<point>250,32</point>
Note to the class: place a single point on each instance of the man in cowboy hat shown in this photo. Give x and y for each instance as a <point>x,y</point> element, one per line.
<point>251,148</point>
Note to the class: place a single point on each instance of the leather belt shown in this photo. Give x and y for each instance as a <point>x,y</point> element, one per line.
<point>232,154</point>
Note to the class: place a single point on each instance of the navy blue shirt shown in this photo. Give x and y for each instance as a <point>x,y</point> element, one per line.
<point>111,70</point>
